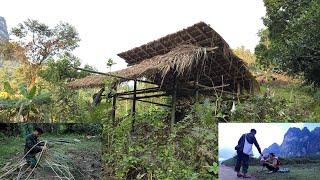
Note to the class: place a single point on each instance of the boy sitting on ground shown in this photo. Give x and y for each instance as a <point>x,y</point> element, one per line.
<point>272,163</point>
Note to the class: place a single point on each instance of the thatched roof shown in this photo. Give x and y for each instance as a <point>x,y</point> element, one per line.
<point>199,34</point>
<point>197,49</point>
<point>90,81</point>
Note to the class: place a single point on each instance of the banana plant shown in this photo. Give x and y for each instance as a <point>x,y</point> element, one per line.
<point>25,100</point>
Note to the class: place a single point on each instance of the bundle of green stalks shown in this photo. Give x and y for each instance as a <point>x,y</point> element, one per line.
<point>51,164</point>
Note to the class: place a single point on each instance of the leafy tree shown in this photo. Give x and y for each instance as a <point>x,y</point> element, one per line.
<point>294,33</point>
<point>41,42</point>
<point>262,50</point>
<point>37,43</point>
<point>57,73</point>
<point>61,70</point>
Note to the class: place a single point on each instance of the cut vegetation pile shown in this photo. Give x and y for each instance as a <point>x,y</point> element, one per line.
<point>53,163</point>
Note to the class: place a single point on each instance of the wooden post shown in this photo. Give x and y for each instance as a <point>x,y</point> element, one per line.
<point>173,104</point>
<point>133,111</point>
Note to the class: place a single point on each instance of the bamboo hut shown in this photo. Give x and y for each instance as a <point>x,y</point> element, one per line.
<point>193,61</point>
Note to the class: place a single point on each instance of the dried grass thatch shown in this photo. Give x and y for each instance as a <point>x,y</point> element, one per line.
<point>91,81</point>
<point>185,62</point>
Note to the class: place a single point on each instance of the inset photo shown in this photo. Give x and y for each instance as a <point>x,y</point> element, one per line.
<point>269,151</point>
<point>50,151</point>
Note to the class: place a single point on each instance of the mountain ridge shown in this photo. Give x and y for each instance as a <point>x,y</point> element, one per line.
<point>297,143</point>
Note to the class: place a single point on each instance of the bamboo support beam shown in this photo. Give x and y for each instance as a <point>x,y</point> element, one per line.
<point>133,111</point>
<point>208,87</point>
<point>173,102</point>
<point>145,97</point>
<point>115,76</point>
<point>113,116</point>
<point>140,91</point>
<point>155,103</point>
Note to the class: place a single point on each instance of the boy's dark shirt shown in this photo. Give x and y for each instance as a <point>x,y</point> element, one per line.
<point>32,140</point>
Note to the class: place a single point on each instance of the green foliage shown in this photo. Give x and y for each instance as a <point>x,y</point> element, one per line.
<point>245,54</point>
<point>45,42</point>
<point>110,63</point>
<point>154,151</point>
<point>8,88</point>
<point>28,103</point>
<point>292,103</point>
<point>262,50</point>
<point>89,128</point>
<point>293,47</point>
<point>62,70</point>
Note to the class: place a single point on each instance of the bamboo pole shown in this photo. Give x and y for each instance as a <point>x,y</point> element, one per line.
<point>113,116</point>
<point>112,75</point>
<point>155,103</point>
<point>174,99</point>
<point>141,91</point>
<point>133,112</point>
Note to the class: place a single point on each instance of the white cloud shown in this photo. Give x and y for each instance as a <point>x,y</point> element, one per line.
<point>110,27</point>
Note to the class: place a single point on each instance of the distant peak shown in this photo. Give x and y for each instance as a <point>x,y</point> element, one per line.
<point>305,129</point>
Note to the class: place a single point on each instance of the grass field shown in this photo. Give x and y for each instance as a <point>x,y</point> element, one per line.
<point>298,171</point>
<point>84,152</point>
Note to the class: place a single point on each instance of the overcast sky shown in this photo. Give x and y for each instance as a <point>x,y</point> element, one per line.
<point>267,133</point>
<point>110,27</point>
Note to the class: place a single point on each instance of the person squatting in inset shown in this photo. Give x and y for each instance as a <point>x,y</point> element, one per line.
<point>33,146</point>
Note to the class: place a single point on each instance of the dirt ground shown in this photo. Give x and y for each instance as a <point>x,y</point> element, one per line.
<point>227,173</point>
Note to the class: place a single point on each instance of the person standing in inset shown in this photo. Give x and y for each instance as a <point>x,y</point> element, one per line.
<point>244,150</point>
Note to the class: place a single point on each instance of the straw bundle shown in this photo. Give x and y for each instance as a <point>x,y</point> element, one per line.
<point>51,164</point>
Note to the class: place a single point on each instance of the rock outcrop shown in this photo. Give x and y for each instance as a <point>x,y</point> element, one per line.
<point>4,35</point>
<point>297,143</point>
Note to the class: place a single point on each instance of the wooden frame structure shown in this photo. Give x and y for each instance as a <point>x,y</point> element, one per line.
<point>185,64</point>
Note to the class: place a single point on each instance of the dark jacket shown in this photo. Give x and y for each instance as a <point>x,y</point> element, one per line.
<point>32,140</point>
<point>251,139</point>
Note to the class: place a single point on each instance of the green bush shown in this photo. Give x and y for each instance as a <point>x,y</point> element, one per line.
<point>153,150</point>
